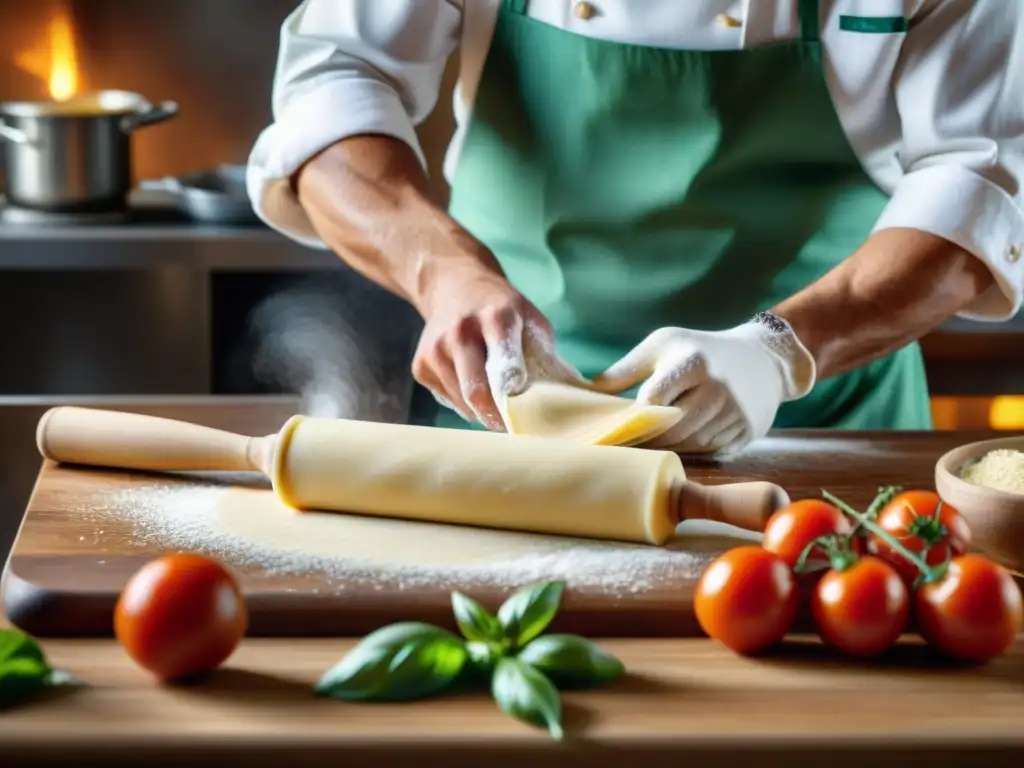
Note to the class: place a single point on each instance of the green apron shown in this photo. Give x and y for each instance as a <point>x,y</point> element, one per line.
<point>624,188</point>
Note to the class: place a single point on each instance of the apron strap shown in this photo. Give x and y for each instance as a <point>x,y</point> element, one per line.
<point>517,7</point>
<point>810,21</point>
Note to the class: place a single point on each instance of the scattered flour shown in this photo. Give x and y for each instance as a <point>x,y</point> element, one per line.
<point>239,519</point>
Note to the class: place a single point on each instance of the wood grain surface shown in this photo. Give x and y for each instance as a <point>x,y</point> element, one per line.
<point>683,702</point>
<point>64,574</point>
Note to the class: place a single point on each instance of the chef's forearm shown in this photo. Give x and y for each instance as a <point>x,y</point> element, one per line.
<point>370,202</point>
<point>897,287</point>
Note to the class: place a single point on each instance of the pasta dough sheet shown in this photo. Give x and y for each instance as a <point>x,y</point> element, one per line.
<point>550,409</point>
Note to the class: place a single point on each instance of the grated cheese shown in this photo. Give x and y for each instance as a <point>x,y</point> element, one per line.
<point>1001,470</point>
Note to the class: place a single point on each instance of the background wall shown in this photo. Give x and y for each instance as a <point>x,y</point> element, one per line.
<point>214,57</point>
<point>145,330</point>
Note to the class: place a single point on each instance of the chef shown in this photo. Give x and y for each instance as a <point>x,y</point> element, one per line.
<point>751,209</point>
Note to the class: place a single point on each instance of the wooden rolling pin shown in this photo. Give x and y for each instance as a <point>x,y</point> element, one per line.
<point>442,475</point>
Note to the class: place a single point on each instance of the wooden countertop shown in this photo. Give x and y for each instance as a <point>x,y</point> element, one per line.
<point>683,702</point>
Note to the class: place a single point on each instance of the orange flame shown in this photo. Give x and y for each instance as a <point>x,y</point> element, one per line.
<point>55,59</point>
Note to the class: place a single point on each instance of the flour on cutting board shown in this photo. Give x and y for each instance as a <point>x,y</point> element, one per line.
<point>245,524</point>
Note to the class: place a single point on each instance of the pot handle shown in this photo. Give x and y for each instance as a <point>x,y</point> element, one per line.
<point>154,113</point>
<point>13,134</point>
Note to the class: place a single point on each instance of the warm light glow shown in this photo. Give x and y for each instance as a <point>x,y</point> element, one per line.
<point>55,59</point>
<point>1007,412</point>
<point>945,413</point>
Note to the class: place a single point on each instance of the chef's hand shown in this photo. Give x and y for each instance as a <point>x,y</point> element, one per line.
<point>728,384</point>
<point>483,342</point>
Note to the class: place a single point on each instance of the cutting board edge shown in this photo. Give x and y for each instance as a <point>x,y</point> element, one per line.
<point>31,607</point>
<point>45,611</point>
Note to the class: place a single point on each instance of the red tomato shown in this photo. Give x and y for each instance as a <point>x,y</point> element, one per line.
<point>974,613</point>
<point>789,530</point>
<point>910,519</point>
<point>861,610</point>
<point>180,616</point>
<point>747,599</point>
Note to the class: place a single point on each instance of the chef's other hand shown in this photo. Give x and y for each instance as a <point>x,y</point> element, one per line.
<point>483,342</point>
<point>729,384</point>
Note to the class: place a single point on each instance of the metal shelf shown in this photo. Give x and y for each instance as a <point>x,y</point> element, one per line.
<point>207,249</point>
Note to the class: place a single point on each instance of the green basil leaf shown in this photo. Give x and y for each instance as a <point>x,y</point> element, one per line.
<point>571,661</point>
<point>483,657</point>
<point>21,678</point>
<point>15,644</point>
<point>399,662</point>
<point>475,623</point>
<point>528,612</point>
<point>526,694</point>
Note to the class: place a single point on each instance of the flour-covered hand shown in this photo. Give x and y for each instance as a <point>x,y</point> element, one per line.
<point>482,343</point>
<point>729,384</point>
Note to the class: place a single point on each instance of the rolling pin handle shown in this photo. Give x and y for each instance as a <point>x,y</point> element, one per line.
<point>744,505</point>
<point>94,437</point>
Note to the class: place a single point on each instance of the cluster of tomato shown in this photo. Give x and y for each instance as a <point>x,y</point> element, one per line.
<point>905,561</point>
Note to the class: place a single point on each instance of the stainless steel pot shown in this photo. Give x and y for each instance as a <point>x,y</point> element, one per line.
<point>74,155</point>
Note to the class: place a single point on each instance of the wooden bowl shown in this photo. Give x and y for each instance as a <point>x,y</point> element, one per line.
<point>996,517</point>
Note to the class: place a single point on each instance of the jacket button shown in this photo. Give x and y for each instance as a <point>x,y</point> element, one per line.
<point>1013,253</point>
<point>584,10</point>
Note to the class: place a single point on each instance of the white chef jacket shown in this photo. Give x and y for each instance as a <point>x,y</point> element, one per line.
<point>935,113</point>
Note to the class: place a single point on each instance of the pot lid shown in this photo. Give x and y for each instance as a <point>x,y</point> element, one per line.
<point>114,103</point>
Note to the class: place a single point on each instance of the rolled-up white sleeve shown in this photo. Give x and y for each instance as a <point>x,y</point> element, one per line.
<point>347,68</point>
<point>959,89</point>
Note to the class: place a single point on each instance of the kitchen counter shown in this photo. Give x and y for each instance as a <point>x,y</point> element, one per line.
<point>683,701</point>
<point>156,238</point>
<point>181,262</point>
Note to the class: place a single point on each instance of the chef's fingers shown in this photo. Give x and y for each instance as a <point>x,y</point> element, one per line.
<point>699,406</point>
<point>638,364</point>
<point>470,361</point>
<point>446,403</point>
<point>674,378</point>
<point>506,365</point>
<point>437,374</point>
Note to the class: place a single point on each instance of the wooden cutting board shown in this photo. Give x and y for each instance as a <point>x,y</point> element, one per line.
<point>86,531</point>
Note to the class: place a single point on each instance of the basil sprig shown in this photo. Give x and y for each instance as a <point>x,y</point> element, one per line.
<point>396,663</point>
<point>527,613</point>
<point>525,693</point>
<point>475,623</point>
<point>506,652</point>
<point>571,661</point>
<point>24,670</point>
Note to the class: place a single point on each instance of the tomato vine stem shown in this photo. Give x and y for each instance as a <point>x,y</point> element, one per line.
<point>838,555</point>
<point>930,574</point>
<point>885,494</point>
